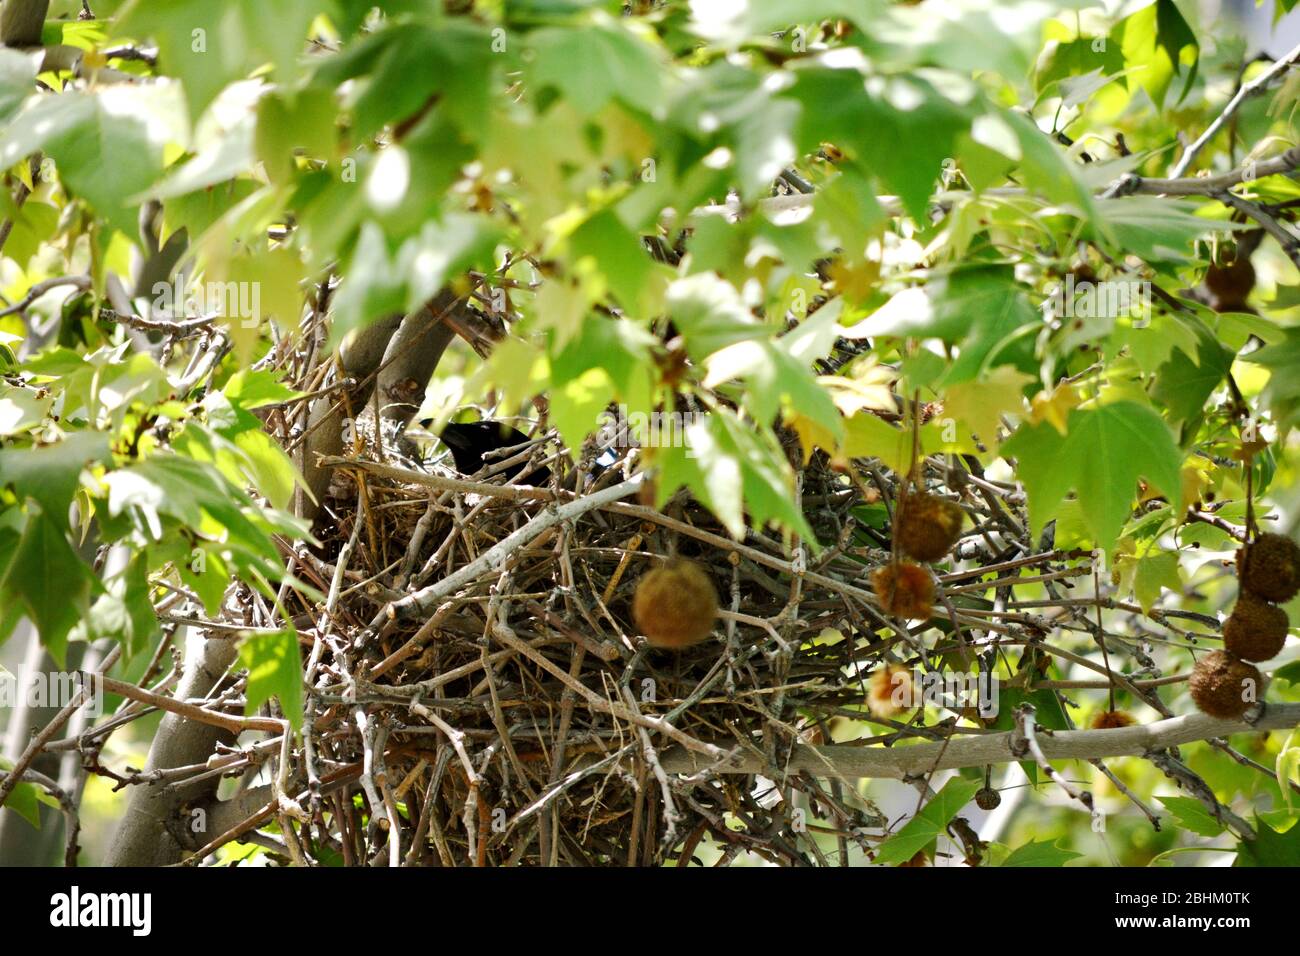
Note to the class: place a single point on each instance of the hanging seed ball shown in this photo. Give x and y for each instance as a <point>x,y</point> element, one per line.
<point>675,604</point>
<point>1269,568</point>
<point>1223,686</point>
<point>918,859</point>
<point>986,798</point>
<point>927,526</point>
<point>905,590</point>
<point>1111,720</point>
<point>1255,630</point>
<point>890,690</point>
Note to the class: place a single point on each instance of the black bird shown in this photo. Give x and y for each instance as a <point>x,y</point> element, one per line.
<point>470,442</point>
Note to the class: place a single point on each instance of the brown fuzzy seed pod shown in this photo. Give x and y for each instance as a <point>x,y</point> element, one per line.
<point>918,859</point>
<point>905,590</point>
<point>1111,720</point>
<point>1269,568</point>
<point>675,604</point>
<point>1223,686</point>
<point>986,798</point>
<point>1230,285</point>
<point>927,527</point>
<point>891,690</point>
<point>1255,630</point>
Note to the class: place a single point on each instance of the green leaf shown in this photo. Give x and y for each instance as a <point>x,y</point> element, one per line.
<point>249,389</point>
<point>274,670</point>
<point>1153,228</point>
<point>596,62</point>
<point>1048,712</point>
<point>1282,393</point>
<point>1040,853</point>
<point>381,283</point>
<point>50,580</point>
<point>51,473</point>
<point>710,315</point>
<point>618,254</point>
<point>981,309</point>
<point>933,819</point>
<point>1154,573</point>
<point>208,45</point>
<point>1104,452</point>
<point>1270,848</point>
<point>1182,385</point>
<point>733,466</point>
<point>108,145</point>
<point>1289,673</point>
<point>24,799</point>
<point>778,375</point>
<point>17,81</point>
<point>123,612</point>
<point>1158,45</point>
<point>730,24</point>
<point>397,71</point>
<point>1192,815</point>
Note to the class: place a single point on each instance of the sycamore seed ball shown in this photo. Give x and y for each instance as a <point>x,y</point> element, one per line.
<point>905,590</point>
<point>1111,720</point>
<point>675,604</point>
<point>1255,630</point>
<point>1223,686</point>
<point>927,527</point>
<point>1269,568</point>
<point>891,690</point>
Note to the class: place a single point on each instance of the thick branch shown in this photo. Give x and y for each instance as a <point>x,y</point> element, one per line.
<point>849,762</point>
<point>21,22</point>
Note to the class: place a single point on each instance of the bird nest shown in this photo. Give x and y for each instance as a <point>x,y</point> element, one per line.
<point>517,716</point>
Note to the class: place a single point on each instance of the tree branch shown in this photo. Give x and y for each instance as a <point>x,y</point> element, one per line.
<point>847,761</point>
<point>21,22</point>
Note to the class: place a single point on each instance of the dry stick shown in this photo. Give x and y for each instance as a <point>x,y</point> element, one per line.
<point>1025,739</point>
<point>506,636</point>
<point>38,742</point>
<point>976,750</point>
<point>40,288</point>
<point>213,718</point>
<point>511,492</point>
<point>1147,811</point>
<point>427,598</point>
<point>1100,636</point>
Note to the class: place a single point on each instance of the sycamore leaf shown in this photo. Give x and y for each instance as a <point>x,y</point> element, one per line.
<point>733,467</point>
<point>979,309</point>
<point>865,385</point>
<point>1152,573</point>
<point>24,799</point>
<point>1270,848</point>
<point>1040,853</point>
<point>709,313</point>
<point>1055,408</point>
<point>981,403</point>
<point>1192,815</point>
<point>274,670</point>
<point>934,817</point>
<point>1105,451</point>
<point>107,145</point>
<point>51,473</point>
<point>1158,45</point>
<point>210,44</point>
<point>50,580</point>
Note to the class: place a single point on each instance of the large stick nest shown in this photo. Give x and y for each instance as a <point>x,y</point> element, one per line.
<point>523,721</point>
